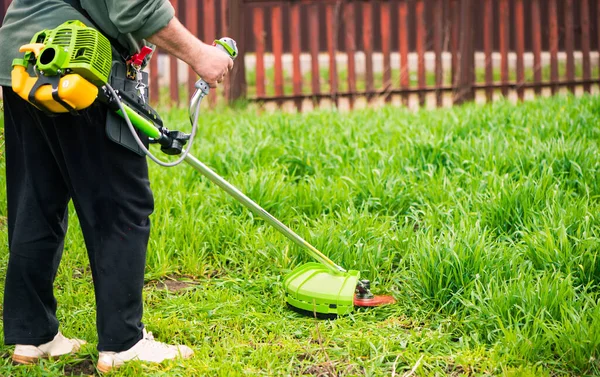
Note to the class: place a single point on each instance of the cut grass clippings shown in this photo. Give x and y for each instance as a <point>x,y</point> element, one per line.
<point>483,221</point>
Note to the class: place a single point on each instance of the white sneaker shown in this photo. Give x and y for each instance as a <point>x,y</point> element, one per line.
<point>26,354</point>
<point>147,349</point>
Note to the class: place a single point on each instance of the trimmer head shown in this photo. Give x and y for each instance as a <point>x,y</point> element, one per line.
<point>312,288</point>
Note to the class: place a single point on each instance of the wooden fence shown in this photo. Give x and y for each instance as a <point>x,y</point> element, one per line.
<point>445,51</point>
<point>310,52</point>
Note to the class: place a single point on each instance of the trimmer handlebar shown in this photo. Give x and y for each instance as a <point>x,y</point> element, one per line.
<point>229,46</point>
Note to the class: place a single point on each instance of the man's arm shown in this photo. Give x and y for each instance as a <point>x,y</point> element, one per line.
<point>206,60</point>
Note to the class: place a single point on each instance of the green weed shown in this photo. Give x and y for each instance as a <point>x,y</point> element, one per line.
<point>482,221</point>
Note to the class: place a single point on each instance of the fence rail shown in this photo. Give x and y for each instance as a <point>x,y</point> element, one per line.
<point>308,52</point>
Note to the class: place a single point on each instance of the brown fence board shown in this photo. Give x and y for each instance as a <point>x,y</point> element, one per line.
<point>173,70</point>
<point>332,26</point>
<point>438,25</point>
<point>223,33</point>
<point>295,37</point>
<point>553,40</point>
<point>314,47</point>
<point>455,22</point>
<point>276,28</point>
<point>465,89</point>
<point>386,44</point>
<point>191,22</point>
<point>403,42</point>
<point>536,32</point>
<point>259,40</point>
<point>520,46</point>
<point>367,13</point>
<point>585,43</point>
<point>488,38</point>
<point>210,33</point>
<point>504,25</point>
<point>350,47</point>
<point>570,42</point>
<point>154,87</point>
<point>419,13</point>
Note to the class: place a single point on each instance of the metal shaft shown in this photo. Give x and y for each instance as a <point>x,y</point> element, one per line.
<point>250,204</point>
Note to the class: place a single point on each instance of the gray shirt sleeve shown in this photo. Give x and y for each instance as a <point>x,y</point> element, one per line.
<point>140,18</point>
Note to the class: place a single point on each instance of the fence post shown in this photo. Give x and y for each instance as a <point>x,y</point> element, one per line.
<point>465,91</point>
<point>237,80</point>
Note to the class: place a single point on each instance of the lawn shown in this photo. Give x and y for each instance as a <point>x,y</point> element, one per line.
<point>483,221</point>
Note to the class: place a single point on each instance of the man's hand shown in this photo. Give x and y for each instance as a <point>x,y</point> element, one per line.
<point>212,64</point>
<point>209,62</point>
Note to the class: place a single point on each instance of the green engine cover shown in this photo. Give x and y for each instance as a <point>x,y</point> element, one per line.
<point>74,47</point>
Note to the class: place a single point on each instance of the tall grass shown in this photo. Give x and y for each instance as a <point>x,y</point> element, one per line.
<point>484,222</point>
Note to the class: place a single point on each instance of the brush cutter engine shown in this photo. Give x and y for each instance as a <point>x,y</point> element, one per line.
<point>69,63</point>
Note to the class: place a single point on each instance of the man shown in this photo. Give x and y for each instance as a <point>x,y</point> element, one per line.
<point>53,159</point>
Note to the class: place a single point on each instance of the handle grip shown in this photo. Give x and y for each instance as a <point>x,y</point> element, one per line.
<point>228,46</point>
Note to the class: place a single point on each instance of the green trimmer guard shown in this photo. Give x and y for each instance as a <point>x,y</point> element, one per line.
<point>312,287</point>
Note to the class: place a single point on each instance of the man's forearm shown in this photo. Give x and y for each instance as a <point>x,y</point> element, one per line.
<point>207,61</point>
<point>176,40</point>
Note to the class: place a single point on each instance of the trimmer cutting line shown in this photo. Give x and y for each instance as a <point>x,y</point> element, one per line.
<point>70,64</point>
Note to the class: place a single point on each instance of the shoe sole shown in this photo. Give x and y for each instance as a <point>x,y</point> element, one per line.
<point>105,368</point>
<point>27,360</point>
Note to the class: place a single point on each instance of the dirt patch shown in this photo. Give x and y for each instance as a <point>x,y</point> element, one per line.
<point>80,272</point>
<point>330,369</point>
<point>401,322</point>
<point>171,284</point>
<point>84,368</point>
<point>321,370</point>
<point>305,356</point>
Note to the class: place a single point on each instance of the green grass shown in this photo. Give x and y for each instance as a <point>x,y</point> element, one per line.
<point>484,222</point>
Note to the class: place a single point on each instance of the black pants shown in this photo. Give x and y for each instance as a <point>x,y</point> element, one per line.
<point>50,160</point>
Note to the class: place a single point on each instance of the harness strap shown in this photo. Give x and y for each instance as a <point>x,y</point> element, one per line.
<point>117,47</point>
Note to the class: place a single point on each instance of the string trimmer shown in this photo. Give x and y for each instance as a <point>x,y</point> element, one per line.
<point>71,67</point>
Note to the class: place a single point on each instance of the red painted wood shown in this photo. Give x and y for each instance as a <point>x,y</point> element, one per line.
<point>455,16</point>
<point>277,32</point>
<point>421,35</point>
<point>553,41</point>
<point>536,32</point>
<point>504,41</point>
<point>465,88</point>
<point>488,46</point>
<point>570,42</point>
<point>295,42</point>
<point>259,43</point>
<point>331,27</point>
<point>209,30</point>
<point>585,43</point>
<point>438,24</point>
<point>191,22</point>
<point>386,41</point>
<point>520,36</point>
<point>154,87</point>
<point>350,47</point>
<point>367,14</point>
<point>224,33</point>
<point>598,27</point>
<point>173,71</point>
<point>403,43</point>
<point>313,24</point>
